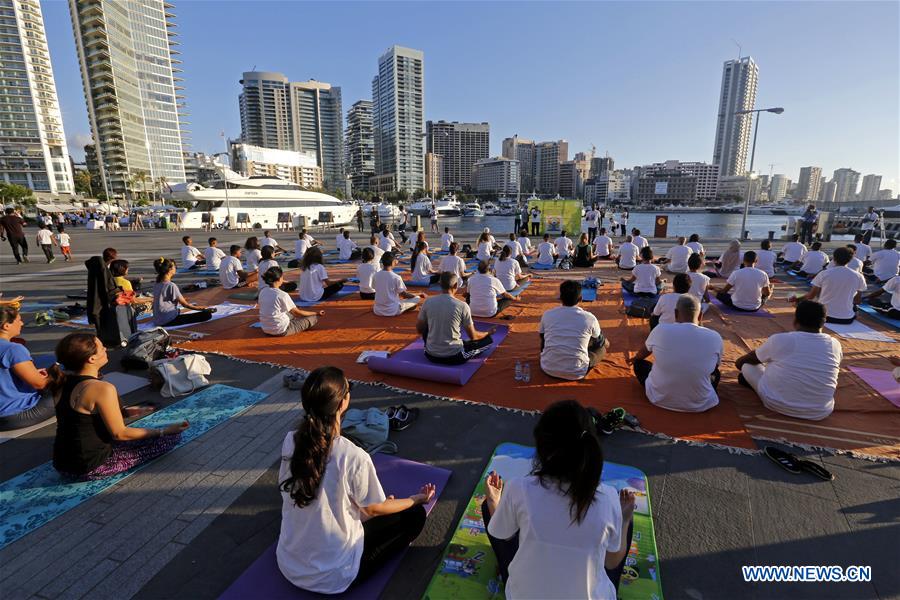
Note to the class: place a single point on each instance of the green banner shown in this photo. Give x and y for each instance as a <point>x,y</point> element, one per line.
<point>559,215</point>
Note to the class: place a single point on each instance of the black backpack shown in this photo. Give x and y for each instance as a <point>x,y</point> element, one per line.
<point>144,347</point>
<point>641,307</point>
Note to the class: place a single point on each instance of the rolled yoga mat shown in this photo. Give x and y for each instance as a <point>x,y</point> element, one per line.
<point>469,567</point>
<point>399,477</point>
<point>35,497</point>
<point>411,361</point>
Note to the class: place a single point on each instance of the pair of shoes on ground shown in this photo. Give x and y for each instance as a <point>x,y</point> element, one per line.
<point>294,380</point>
<point>401,417</point>
<point>794,464</point>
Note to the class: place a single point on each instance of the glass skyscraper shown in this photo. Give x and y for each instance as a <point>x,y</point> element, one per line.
<point>732,147</point>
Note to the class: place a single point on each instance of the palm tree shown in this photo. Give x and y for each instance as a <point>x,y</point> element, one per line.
<point>163,184</point>
<point>140,176</point>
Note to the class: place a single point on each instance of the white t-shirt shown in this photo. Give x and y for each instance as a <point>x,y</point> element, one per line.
<point>892,287</point>
<point>345,247</point>
<point>311,288</point>
<point>446,240</point>
<point>665,307</point>
<point>685,355</point>
<point>639,241</point>
<point>45,238</point>
<point>422,269</point>
<point>838,287</point>
<point>765,262</point>
<point>264,266</point>
<point>628,254</point>
<point>484,251</point>
<point>747,285</point>
<point>793,251</point>
<point>525,244</point>
<point>591,218</point>
<point>514,248</point>
<point>386,242</point>
<point>268,241</point>
<point>863,251</point>
<point>678,259</point>
<point>885,264</point>
<point>189,254</point>
<point>801,373</point>
<point>388,286</point>
<point>645,282</point>
<point>275,307</point>
<point>869,220</point>
<point>453,264</point>
<point>567,331</point>
<point>545,253</point>
<point>300,248</point>
<point>814,261</point>
<point>366,272</point>
<point>213,256</point>
<point>228,272</point>
<point>63,239</point>
<point>506,271</point>
<point>563,246</point>
<point>378,252</point>
<point>333,520</point>
<point>699,284</point>
<point>253,258</point>
<point>602,245</point>
<point>483,291</point>
<point>697,247</point>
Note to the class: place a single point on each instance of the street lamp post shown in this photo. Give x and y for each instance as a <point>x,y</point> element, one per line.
<point>225,179</point>
<point>777,110</point>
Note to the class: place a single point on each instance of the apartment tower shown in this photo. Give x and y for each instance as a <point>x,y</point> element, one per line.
<point>738,93</point>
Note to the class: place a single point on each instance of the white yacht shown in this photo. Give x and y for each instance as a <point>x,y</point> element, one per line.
<point>472,209</point>
<point>445,207</point>
<point>260,199</point>
<point>385,211</point>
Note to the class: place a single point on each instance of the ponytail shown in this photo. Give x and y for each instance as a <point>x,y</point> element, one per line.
<point>72,353</point>
<point>162,266</point>
<point>505,252</point>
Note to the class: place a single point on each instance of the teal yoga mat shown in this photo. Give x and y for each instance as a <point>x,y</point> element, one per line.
<point>32,499</point>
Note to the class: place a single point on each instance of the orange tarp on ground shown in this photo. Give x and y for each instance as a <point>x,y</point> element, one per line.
<point>863,421</point>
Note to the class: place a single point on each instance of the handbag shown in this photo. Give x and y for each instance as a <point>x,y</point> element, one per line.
<point>181,375</point>
<point>368,429</point>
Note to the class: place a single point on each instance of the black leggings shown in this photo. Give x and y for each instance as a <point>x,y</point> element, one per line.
<point>725,298</point>
<point>643,367</point>
<point>331,290</point>
<point>15,244</point>
<point>535,229</point>
<point>469,346</point>
<point>40,412</point>
<point>505,550</point>
<point>367,295</point>
<point>387,535</point>
<point>629,287</point>
<point>188,318</point>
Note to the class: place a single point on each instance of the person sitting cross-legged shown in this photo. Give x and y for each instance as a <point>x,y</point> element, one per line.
<point>347,248</point>
<point>891,307</point>
<point>814,261</point>
<point>685,372</point>
<point>677,257</point>
<point>509,271</point>
<point>571,340</point>
<point>546,252</point>
<point>748,288</point>
<point>839,288</point>
<point>886,262</point>
<point>278,315</point>
<point>441,322</point>
<point>795,373</point>
<point>646,278</point>
<point>315,284</point>
<point>664,311</point>
<point>453,263</point>
<point>391,297</point>
<point>487,296</point>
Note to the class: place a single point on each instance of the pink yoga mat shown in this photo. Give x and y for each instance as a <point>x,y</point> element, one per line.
<point>882,382</point>
<point>398,477</point>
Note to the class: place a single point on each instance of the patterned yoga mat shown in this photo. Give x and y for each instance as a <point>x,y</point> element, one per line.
<point>35,497</point>
<point>469,568</point>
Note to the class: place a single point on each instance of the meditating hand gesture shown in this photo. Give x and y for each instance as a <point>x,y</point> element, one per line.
<point>425,494</point>
<point>493,488</point>
<point>626,500</point>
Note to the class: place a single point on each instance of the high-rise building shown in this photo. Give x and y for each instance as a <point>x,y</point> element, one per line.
<point>846,181</point>
<point>601,165</point>
<point>300,167</point>
<point>778,187</point>
<point>33,149</point>
<point>126,51</point>
<point>522,150</point>
<point>885,195</point>
<point>829,192</point>
<point>398,113</point>
<point>548,156</point>
<point>735,189</point>
<point>434,173</point>
<point>808,184</point>
<point>359,145</point>
<point>461,145</point>
<point>738,93</point>
<point>499,175</point>
<point>572,175</point>
<point>612,186</point>
<point>870,186</point>
<point>301,116</point>
<point>707,175</point>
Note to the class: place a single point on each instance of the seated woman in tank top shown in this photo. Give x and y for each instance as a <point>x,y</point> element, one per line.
<point>92,440</point>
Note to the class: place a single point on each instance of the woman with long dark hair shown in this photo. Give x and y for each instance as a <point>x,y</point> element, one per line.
<point>254,253</point>
<point>337,526</point>
<point>559,532</point>
<point>422,271</point>
<point>314,282</point>
<point>92,441</point>
<point>167,299</point>
<point>584,253</point>
<point>508,270</point>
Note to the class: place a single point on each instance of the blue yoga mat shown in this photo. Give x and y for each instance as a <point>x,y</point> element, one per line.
<point>35,497</point>
<point>588,294</point>
<point>345,291</point>
<point>540,267</point>
<point>516,291</point>
<point>869,310</point>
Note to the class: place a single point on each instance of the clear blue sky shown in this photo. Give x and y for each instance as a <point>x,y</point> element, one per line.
<point>639,80</point>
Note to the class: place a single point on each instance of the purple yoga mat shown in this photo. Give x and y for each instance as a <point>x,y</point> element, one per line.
<point>882,382</point>
<point>411,361</point>
<point>399,477</point>
<point>725,309</point>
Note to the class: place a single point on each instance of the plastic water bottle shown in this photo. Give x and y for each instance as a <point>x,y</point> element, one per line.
<point>518,375</point>
<point>526,372</point>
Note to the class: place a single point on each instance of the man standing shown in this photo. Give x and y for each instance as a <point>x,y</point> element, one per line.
<point>624,222</point>
<point>796,373</point>
<point>592,217</point>
<point>869,221</point>
<point>535,220</point>
<point>404,221</point>
<point>11,225</point>
<point>441,321</point>
<point>571,340</point>
<point>808,223</point>
<point>685,373</point>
